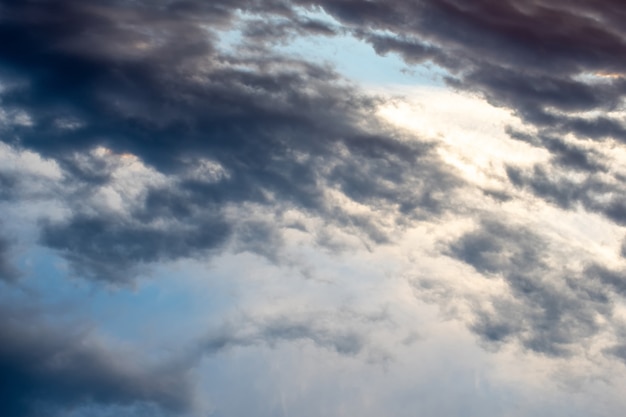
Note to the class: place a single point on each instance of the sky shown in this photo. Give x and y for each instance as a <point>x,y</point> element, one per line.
<point>312,208</point>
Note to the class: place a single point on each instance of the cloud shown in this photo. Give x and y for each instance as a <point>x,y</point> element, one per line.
<point>49,368</point>
<point>595,191</point>
<point>8,272</point>
<point>544,306</point>
<point>549,61</point>
<point>268,31</point>
<point>151,83</point>
<point>564,154</point>
<point>161,137</point>
<point>344,332</point>
<point>109,249</point>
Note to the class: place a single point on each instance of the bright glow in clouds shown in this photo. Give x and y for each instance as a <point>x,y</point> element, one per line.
<point>471,136</point>
<point>471,133</point>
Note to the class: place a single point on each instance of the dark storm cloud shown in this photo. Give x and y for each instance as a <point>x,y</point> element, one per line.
<point>547,35</point>
<point>550,61</point>
<point>47,369</point>
<point>265,32</point>
<point>546,307</point>
<point>419,52</point>
<point>150,80</point>
<point>536,57</point>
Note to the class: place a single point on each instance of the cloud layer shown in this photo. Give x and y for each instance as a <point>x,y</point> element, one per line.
<point>141,137</point>
<point>269,130</point>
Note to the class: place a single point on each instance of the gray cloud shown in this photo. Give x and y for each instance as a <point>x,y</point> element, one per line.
<point>546,307</point>
<point>565,155</point>
<point>174,97</point>
<point>594,191</point>
<point>7,186</point>
<point>549,61</point>
<point>614,279</point>
<point>108,248</point>
<point>269,31</point>
<point>152,81</point>
<point>537,58</point>
<point>45,369</point>
<point>345,332</point>
<point>249,129</point>
<point>8,271</point>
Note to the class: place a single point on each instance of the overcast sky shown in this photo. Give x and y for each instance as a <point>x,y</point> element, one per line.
<point>312,208</point>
